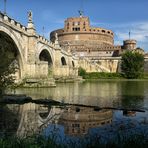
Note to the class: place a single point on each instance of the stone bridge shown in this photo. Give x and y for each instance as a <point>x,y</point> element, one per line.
<point>36,57</point>
<point>40,60</point>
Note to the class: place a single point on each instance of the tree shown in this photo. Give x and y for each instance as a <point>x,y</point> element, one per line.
<point>81,72</point>
<point>7,67</point>
<point>132,64</point>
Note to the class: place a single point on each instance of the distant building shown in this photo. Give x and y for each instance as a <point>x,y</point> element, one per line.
<point>80,38</point>
<point>94,44</point>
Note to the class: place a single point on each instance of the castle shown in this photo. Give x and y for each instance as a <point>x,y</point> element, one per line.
<point>93,44</point>
<point>40,61</point>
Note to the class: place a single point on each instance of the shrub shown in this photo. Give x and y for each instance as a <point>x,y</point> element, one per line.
<point>81,72</point>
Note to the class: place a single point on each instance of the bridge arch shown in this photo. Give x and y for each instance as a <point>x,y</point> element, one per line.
<point>45,54</point>
<point>8,36</point>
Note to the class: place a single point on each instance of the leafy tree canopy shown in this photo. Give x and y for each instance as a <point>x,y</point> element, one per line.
<point>7,67</point>
<point>132,65</point>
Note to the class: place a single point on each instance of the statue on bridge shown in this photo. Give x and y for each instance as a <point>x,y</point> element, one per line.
<point>30,15</point>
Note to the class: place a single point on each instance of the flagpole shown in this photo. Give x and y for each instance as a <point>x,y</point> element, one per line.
<point>129,35</point>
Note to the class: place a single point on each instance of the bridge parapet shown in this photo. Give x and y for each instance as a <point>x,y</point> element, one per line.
<point>12,23</point>
<point>45,41</point>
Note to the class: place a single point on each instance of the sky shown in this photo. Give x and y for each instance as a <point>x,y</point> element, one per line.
<point>120,16</point>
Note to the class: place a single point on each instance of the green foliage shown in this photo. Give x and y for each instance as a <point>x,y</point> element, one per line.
<point>81,72</point>
<point>7,68</point>
<point>97,75</point>
<point>132,65</point>
<point>102,75</point>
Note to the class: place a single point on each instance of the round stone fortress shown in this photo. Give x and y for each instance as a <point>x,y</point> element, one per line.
<point>94,46</point>
<point>77,32</point>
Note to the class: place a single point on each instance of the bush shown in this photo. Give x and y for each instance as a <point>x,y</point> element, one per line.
<point>98,75</point>
<point>81,72</point>
<point>102,75</point>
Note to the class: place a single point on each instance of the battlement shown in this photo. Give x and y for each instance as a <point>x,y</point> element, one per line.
<point>11,22</point>
<point>101,30</point>
<point>77,30</point>
<point>82,24</point>
<point>45,41</point>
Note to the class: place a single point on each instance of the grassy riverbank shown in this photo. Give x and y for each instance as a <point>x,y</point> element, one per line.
<point>105,75</point>
<point>137,141</point>
<point>102,75</point>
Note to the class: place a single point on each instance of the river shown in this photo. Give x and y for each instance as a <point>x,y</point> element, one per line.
<point>102,93</point>
<point>76,121</point>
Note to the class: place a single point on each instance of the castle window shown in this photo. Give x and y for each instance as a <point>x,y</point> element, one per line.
<point>108,32</point>
<point>103,31</point>
<point>67,25</point>
<point>76,29</point>
<point>73,23</point>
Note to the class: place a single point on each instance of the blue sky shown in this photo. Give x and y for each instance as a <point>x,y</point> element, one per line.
<point>117,15</point>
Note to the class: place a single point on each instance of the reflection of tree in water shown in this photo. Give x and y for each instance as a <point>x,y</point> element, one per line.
<point>9,121</point>
<point>132,93</point>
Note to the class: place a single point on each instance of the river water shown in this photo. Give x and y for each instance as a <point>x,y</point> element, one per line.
<point>73,122</point>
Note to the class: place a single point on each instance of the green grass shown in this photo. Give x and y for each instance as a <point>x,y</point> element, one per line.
<point>105,75</point>
<point>102,75</point>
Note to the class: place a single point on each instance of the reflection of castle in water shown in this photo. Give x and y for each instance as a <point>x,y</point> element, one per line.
<point>33,119</point>
<point>78,120</point>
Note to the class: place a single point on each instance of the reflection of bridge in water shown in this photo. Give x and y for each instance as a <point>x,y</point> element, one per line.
<point>33,119</point>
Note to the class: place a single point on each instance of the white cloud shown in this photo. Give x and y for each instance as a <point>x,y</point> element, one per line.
<point>138,31</point>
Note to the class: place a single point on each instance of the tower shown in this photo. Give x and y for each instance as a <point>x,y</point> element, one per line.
<point>129,44</point>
